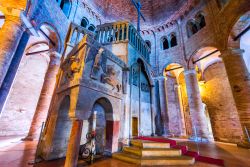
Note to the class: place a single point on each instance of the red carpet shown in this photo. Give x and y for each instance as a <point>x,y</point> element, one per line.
<point>184,150</point>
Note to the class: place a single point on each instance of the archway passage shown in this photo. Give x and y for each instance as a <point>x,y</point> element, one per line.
<point>107,129</point>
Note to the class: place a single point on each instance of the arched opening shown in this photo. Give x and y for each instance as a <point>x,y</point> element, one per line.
<point>191,28</point>
<point>91,28</point>
<point>2,19</point>
<point>200,20</point>
<point>62,130</point>
<point>148,44</point>
<point>107,129</point>
<point>164,43</point>
<point>65,5</point>
<point>173,40</point>
<point>176,113</point>
<point>84,22</point>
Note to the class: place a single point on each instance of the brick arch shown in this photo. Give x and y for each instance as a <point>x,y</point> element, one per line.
<point>232,11</point>
<point>169,63</point>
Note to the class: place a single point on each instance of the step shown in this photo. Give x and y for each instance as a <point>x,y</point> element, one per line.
<point>153,152</point>
<point>149,144</point>
<point>150,161</point>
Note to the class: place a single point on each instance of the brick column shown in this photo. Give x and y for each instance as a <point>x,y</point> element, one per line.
<point>239,80</point>
<point>10,34</point>
<point>163,104</point>
<point>45,97</point>
<point>195,105</point>
<point>74,144</point>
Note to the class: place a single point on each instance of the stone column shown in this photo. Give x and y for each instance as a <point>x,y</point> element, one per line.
<point>10,34</point>
<point>239,80</point>
<point>153,109</point>
<point>45,97</point>
<point>195,106</point>
<point>74,144</point>
<point>163,104</point>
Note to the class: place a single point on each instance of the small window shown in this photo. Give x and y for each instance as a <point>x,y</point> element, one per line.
<point>91,27</point>
<point>201,20</point>
<point>173,40</point>
<point>84,22</point>
<point>165,44</point>
<point>65,5</point>
<point>148,44</point>
<point>191,28</point>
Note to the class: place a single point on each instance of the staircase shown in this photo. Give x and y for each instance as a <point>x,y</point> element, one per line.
<point>150,153</point>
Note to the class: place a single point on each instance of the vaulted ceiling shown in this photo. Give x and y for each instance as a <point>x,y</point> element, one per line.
<point>155,11</point>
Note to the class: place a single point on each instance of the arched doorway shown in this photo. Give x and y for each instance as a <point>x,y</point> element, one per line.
<point>140,100</point>
<point>62,130</point>
<point>107,129</point>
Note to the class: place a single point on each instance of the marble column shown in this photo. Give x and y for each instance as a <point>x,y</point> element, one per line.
<point>10,34</point>
<point>74,144</point>
<point>163,104</point>
<point>239,79</point>
<point>45,97</point>
<point>198,117</point>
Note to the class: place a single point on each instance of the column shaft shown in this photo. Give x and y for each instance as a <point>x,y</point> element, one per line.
<point>239,80</point>
<point>74,144</point>
<point>45,97</point>
<point>10,34</point>
<point>195,105</point>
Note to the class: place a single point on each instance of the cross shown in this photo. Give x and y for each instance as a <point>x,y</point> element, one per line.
<point>138,6</point>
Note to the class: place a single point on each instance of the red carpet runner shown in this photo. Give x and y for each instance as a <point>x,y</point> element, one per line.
<point>184,150</point>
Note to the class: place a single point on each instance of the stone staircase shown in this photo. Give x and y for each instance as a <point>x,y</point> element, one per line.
<point>152,153</point>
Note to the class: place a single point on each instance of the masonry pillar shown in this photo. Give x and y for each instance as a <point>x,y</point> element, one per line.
<point>198,116</point>
<point>153,109</point>
<point>163,104</point>
<point>10,34</point>
<point>239,80</point>
<point>45,97</point>
<point>74,144</point>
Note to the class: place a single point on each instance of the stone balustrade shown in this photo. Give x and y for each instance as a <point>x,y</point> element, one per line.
<point>122,32</point>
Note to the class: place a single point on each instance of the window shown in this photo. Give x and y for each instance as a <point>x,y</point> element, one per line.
<point>196,24</point>
<point>84,22</point>
<point>165,43</point>
<point>65,5</point>
<point>91,27</point>
<point>173,40</point>
<point>201,20</point>
<point>148,44</point>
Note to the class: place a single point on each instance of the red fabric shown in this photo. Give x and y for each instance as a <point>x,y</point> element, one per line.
<point>184,150</point>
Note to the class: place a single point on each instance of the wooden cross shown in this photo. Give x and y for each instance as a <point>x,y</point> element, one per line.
<point>138,6</point>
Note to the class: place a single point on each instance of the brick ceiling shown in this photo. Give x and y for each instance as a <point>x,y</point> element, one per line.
<point>155,11</point>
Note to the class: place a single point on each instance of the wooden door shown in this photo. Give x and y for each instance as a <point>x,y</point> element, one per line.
<point>134,126</point>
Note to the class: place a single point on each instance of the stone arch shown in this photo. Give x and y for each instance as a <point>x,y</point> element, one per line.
<point>2,19</point>
<point>107,128</point>
<point>66,6</point>
<point>191,28</point>
<point>173,39</point>
<point>91,27</point>
<point>173,70</point>
<point>200,20</point>
<point>146,68</point>
<point>202,53</point>
<point>169,63</point>
<point>50,33</point>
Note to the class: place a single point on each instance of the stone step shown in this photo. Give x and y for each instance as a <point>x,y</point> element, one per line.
<point>154,152</point>
<point>149,144</point>
<point>151,161</point>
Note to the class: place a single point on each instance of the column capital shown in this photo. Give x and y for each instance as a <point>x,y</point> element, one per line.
<point>190,71</point>
<point>232,51</point>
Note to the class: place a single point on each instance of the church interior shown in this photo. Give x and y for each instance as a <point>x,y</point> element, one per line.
<point>124,83</point>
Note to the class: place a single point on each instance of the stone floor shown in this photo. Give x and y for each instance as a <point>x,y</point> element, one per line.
<point>17,153</point>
